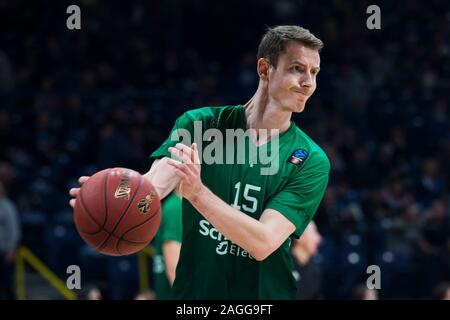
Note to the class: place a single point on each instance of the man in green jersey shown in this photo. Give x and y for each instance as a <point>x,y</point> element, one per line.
<point>237,216</point>
<point>167,245</point>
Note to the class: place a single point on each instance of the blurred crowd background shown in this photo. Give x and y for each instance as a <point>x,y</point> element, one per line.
<point>75,102</point>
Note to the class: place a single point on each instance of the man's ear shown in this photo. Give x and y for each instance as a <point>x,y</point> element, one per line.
<point>263,68</point>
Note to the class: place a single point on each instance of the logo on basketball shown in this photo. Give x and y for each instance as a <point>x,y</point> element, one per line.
<point>144,204</point>
<point>123,190</point>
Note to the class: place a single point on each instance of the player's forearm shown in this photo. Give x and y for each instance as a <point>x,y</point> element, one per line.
<point>171,253</point>
<point>245,231</point>
<point>162,177</point>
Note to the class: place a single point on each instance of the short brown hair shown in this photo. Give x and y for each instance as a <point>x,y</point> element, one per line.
<point>275,40</point>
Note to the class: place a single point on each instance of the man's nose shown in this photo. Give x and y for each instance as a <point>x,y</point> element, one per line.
<point>306,80</point>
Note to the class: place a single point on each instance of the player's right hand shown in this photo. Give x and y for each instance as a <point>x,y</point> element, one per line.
<point>74,191</point>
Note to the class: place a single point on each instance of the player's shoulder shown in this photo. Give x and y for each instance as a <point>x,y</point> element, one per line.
<point>210,112</point>
<point>316,156</point>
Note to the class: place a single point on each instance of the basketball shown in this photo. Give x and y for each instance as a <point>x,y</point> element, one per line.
<point>117,212</point>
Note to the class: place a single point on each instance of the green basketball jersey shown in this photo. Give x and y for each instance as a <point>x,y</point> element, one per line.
<point>212,266</point>
<point>169,230</point>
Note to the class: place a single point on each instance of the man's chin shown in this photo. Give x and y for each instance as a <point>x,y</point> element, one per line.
<point>296,107</point>
<point>299,107</point>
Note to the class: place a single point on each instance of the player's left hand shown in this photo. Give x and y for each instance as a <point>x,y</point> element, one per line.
<point>188,170</point>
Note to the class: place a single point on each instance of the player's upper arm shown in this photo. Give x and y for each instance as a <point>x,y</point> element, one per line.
<point>299,199</point>
<point>161,174</point>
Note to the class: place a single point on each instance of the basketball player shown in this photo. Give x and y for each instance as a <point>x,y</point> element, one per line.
<point>238,223</point>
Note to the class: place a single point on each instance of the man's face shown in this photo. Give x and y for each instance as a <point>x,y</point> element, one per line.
<point>293,81</point>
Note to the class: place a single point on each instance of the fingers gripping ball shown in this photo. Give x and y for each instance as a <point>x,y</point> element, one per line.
<point>117,212</point>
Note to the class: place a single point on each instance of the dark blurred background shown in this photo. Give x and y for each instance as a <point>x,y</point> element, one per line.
<point>74,102</point>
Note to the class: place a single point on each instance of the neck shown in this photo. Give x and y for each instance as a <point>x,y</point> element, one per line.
<point>262,113</point>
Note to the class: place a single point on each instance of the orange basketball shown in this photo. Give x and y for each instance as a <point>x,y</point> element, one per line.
<point>117,212</point>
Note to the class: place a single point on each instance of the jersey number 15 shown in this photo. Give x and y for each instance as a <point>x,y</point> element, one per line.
<point>253,201</point>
